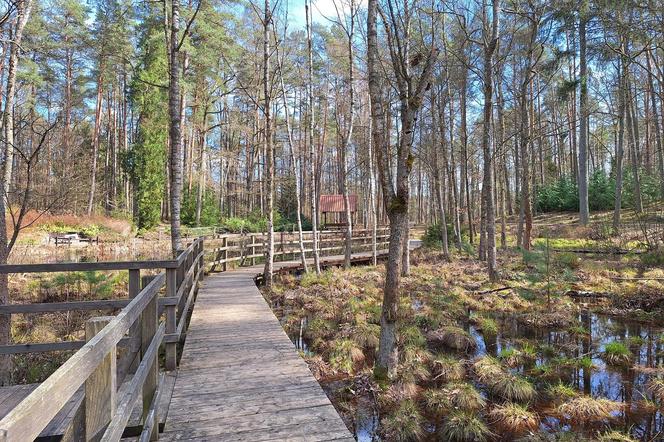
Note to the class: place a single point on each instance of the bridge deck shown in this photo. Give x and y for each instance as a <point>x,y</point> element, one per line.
<point>240,376</point>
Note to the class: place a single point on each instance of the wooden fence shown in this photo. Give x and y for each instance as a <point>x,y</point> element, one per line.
<point>112,382</point>
<point>118,362</point>
<point>246,249</point>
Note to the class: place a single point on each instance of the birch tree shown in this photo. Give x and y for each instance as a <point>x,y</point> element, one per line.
<point>412,68</point>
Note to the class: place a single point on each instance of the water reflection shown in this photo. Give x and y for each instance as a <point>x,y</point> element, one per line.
<point>573,357</point>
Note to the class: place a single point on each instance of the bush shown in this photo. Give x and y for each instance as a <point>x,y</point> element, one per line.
<point>616,353</point>
<point>86,230</point>
<point>653,258</point>
<point>255,223</point>
<point>650,188</point>
<point>433,236</point>
<point>210,214</point>
<point>601,191</point>
<point>288,224</point>
<point>239,225</point>
<point>563,195</point>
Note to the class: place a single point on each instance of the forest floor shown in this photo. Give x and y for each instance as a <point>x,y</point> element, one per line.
<point>569,345</point>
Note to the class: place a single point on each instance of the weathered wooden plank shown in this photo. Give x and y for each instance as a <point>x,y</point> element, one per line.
<point>86,266</point>
<point>151,426</point>
<point>15,349</point>
<point>240,376</point>
<point>101,385</point>
<point>136,419</point>
<point>12,395</point>
<point>149,324</point>
<point>48,307</point>
<point>128,395</point>
<point>299,422</point>
<point>171,318</point>
<point>280,434</point>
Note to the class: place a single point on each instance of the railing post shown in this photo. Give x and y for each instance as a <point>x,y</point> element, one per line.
<point>149,319</point>
<point>100,387</point>
<point>186,266</point>
<point>253,249</point>
<point>224,245</point>
<point>201,263</point>
<point>134,330</point>
<point>171,292</point>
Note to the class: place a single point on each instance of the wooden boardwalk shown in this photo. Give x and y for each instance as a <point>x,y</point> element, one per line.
<point>240,376</point>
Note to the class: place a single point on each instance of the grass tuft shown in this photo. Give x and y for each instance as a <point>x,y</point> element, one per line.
<point>560,392</point>
<point>614,436</point>
<point>617,353</point>
<point>513,419</point>
<point>465,427</point>
<point>447,369</point>
<point>656,387</point>
<point>405,424</point>
<point>452,337</point>
<point>454,396</point>
<point>584,410</point>
<point>502,383</point>
<point>345,355</point>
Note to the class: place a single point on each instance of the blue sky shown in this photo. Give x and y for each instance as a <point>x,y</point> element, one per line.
<point>321,9</point>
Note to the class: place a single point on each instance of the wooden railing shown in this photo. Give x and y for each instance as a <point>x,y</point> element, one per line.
<point>112,385</point>
<point>243,249</point>
<point>118,362</point>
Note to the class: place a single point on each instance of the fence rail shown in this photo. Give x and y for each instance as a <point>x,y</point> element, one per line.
<point>117,364</point>
<point>241,249</point>
<point>112,384</point>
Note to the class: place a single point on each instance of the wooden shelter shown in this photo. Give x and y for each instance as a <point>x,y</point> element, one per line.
<point>334,205</point>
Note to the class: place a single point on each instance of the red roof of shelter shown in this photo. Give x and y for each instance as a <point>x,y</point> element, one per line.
<point>335,203</point>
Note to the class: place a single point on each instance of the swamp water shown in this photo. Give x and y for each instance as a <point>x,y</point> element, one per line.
<point>570,357</point>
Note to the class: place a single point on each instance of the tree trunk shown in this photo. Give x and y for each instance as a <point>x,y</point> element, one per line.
<point>439,182</point>
<point>175,134</point>
<point>632,131</point>
<point>526,215</point>
<point>395,188</point>
<point>269,148</point>
<point>296,172</point>
<point>584,211</point>
<point>347,140</point>
<point>310,133</point>
<point>622,74</point>
<point>200,191</point>
<point>387,357</point>
<point>489,214</point>
<point>372,195</point>
<point>95,142</point>
<point>465,184</point>
<point>405,253</point>
<point>658,134</point>
<point>22,15</point>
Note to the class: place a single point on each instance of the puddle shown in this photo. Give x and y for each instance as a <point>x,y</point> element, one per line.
<point>366,422</point>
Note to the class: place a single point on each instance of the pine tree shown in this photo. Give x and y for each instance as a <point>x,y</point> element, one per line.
<point>146,160</point>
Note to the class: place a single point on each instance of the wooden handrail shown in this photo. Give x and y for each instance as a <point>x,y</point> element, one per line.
<point>97,266</point>
<point>180,277</point>
<point>33,414</point>
<point>86,266</point>
<point>244,251</point>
